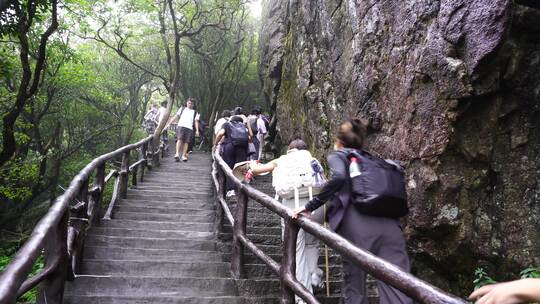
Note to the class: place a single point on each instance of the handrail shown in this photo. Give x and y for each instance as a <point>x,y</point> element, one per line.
<point>414,287</point>
<point>60,232</point>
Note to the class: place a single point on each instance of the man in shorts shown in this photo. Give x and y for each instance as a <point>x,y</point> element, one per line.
<point>188,122</point>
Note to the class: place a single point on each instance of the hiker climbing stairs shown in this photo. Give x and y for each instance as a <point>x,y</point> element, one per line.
<point>263,228</point>
<point>160,245</point>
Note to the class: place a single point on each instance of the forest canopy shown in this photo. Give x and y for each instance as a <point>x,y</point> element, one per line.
<point>77,76</point>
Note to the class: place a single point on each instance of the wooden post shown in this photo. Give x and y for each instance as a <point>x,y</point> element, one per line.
<point>155,157</point>
<point>94,204</point>
<point>239,229</point>
<point>124,175</point>
<point>150,155</point>
<point>51,290</point>
<point>221,180</point>
<point>144,149</point>
<point>134,176</point>
<point>288,262</point>
<point>79,225</point>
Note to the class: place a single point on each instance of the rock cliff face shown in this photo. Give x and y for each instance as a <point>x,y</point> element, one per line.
<point>451,88</point>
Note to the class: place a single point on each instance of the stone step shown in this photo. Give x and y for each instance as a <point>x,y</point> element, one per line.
<point>268,286</point>
<point>150,185</point>
<point>156,268</point>
<point>169,197</point>
<point>260,270</point>
<point>182,176</point>
<point>168,191</point>
<point>162,210</point>
<point>172,183</point>
<point>156,243</point>
<point>113,299</point>
<point>275,230</point>
<point>264,239</point>
<point>157,225</point>
<point>192,177</point>
<point>154,286</point>
<point>157,217</point>
<point>173,203</point>
<point>149,233</point>
<point>154,254</point>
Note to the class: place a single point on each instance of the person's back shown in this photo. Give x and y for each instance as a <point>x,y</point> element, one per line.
<point>150,119</point>
<point>225,115</point>
<point>293,174</point>
<point>233,138</point>
<point>379,235</point>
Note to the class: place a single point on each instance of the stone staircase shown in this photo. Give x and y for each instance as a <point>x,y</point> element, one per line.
<point>166,245</point>
<point>160,246</point>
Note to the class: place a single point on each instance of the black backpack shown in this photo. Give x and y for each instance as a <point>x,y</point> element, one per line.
<point>253,125</point>
<point>239,134</point>
<point>379,188</point>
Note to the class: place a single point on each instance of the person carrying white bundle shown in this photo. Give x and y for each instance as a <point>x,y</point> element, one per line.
<point>296,176</point>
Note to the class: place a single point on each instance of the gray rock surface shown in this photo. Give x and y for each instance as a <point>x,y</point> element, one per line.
<point>451,88</point>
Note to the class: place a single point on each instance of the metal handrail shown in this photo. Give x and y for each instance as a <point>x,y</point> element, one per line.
<point>60,235</point>
<point>390,274</point>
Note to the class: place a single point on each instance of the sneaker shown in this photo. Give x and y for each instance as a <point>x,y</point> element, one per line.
<point>317,278</point>
<point>189,152</point>
<point>230,193</point>
<point>177,158</point>
<point>184,159</point>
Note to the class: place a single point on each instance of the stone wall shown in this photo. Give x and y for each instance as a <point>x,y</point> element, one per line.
<point>451,88</point>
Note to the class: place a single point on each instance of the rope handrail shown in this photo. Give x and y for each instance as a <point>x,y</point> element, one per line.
<point>59,232</point>
<point>377,267</point>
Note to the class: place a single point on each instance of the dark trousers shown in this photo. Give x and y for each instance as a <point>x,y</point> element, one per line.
<point>192,142</point>
<point>231,155</point>
<point>382,237</point>
<point>255,155</point>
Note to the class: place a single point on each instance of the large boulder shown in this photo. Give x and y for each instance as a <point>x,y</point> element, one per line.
<point>451,88</point>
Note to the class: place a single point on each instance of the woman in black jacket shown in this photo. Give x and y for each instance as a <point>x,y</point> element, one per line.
<point>380,235</point>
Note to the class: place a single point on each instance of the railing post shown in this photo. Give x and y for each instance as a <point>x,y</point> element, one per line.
<point>221,180</point>
<point>134,175</point>
<point>144,149</point>
<point>94,205</point>
<point>51,290</point>
<point>150,155</point>
<point>124,175</point>
<point>239,229</point>
<point>288,262</point>
<point>79,221</point>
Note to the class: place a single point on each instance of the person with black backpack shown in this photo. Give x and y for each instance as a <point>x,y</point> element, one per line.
<point>367,197</point>
<point>234,146</point>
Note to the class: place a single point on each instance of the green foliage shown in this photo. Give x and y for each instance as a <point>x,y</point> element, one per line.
<point>17,177</point>
<point>5,258</point>
<point>530,272</point>
<point>481,278</point>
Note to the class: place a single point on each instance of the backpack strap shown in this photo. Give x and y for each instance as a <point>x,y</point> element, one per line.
<point>181,111</point>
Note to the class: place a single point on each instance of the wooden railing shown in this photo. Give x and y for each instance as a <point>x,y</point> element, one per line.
<point>60,234</point>
<point>417,289</point>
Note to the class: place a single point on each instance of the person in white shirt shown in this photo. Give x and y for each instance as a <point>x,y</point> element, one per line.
<point>261,132</point>
<point>188,119</point>
<point>224,118</point>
